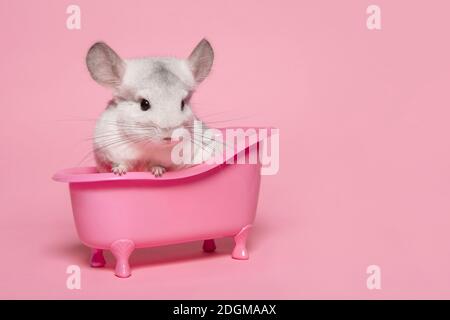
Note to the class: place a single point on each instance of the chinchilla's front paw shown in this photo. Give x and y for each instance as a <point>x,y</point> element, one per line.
<point>119,169</point>
<point>158,171</point>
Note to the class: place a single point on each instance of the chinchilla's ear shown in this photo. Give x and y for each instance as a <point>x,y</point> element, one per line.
<point>201,60</point>
<point>105,66</point>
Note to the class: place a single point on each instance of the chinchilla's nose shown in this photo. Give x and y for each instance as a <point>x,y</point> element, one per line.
<point>167,138</point>
<point>166,134</point>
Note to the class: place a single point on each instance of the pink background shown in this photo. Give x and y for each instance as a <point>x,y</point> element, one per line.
<point>365,151</point>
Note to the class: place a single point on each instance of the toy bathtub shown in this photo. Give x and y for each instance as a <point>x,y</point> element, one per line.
<point>137,210</point>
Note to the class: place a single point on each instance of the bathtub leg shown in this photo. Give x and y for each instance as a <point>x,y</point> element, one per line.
<point>209,245</point>
<point>122,250</point>
<point>240,251</point>
<point>97,259</point>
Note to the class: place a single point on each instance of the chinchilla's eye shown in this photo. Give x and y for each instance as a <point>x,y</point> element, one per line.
<point>145,105</point>
<point>182,105</point>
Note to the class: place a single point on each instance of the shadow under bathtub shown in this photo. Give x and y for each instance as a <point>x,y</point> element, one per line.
<point>161,255</point>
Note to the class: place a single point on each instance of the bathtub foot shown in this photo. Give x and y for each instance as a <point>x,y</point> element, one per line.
<point>209,245</point>
<point>240,250</point>
<point>97,259</point>
<point>122,250</point>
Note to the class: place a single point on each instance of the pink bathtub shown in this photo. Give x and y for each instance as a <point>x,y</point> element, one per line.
<point>137,210</point>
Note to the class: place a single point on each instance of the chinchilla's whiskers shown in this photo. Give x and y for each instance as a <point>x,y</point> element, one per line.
<point>202,137</point>
<point>200,106</point>
<point>134,126</point>
<point>196,141</point>
<point>210,139</point>
<point>96,149</point>
<point>106,141</point>
<point>200,145</point>
<point>116,143</point>
<point>141,132</point>
<point>208,115</point>
<point>200,141</point>
<point>125,139</point>
<point>103,137</point>
<point>218,121</point>
<point>123,124</point>
<point>136,129</point>
<point>111,135</point>
<point>91,154</point>
<point>146,142</point>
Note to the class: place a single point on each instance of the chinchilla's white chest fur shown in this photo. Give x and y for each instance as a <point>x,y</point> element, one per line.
<point>113,146</point>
